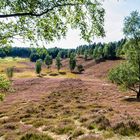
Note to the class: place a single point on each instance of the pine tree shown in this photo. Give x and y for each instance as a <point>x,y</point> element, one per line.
<point>85,55</point>
<point>58,63</point>
<point>72,62</point>
<point>48,61</point>
<point>38,66</point>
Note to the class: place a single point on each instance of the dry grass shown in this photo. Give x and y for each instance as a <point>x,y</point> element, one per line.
<point>11,62</point>
<point>22,71</point>
<point>64,105</point>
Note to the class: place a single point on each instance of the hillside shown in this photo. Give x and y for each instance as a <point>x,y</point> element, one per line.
<point>80,107</point>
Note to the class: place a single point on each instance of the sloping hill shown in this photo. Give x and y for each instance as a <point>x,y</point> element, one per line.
<point>87,107</point>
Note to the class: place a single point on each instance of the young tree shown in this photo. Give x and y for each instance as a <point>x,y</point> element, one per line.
<point>72,62</point>
<point>58,62</point>
<point>48,61</point>
<point>95,53</point>
<point>106,51</point>
<point>85,55</point>
<point>98,53</point>
<point>38,66</point>
<point>10,72</point>
<point>128,73</point>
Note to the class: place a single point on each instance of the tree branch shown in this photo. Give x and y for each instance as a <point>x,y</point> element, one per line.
<point>133,89</point>
<point>42,13</point>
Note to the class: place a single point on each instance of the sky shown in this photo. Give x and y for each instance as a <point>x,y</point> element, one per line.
<point>115,12</point>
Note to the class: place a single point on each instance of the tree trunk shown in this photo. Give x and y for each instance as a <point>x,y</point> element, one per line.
<point>138,94</point>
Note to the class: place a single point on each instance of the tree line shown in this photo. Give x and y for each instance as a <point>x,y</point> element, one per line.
<point>95,51</point>
<point>112,50</point>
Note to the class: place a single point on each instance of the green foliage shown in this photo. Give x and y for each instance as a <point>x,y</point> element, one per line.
<point>80,68</point>
<point>10,72</point>
<point>4,83</point>
<point>2,53</point>
<point>128,73</point>
<point>124,75</point>
<point>132,25</point>
<point>49,20</point>
<point>72,62</point>
<point>58,62</point>
<point>98,53</point>
<point>32,136</point>
<point>110,51</point>
<point>42,52</point>
<point>38,66</point>
<point>48,61</point>
<point>115,49</point>
<point>85,55</point>
<point>34,57</point>
<point>1,97</point>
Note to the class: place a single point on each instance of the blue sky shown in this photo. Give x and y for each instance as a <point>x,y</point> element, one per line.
<point>116,11</point>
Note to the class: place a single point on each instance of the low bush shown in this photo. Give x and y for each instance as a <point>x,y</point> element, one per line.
<point>127,128</point>
<point>77,133</point>
<point>10,126</point>
<point>4,83</point>
<point>53,74</point>
<point>62,72</point>
<point>9,72</point>
<point>80,68</point>
<point>64,129</point>
<point>102,122</point>
<point>1,97</point>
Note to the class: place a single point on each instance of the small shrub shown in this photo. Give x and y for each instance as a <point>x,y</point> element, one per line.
<point>80,68</point>
<point>1,97</point>
<point>62,72</point>
<point>65,129</point>
<point>127,129</point>
<point>92,126</point>
<point>36,137</point>
<point>53,74</point>
<point>77,133</point>
<point>102,122</point>
<point>10,126</point>
<point>10,72</point>
<point>108,134</point>
<point>40,122</point>
<point>4,83</point>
